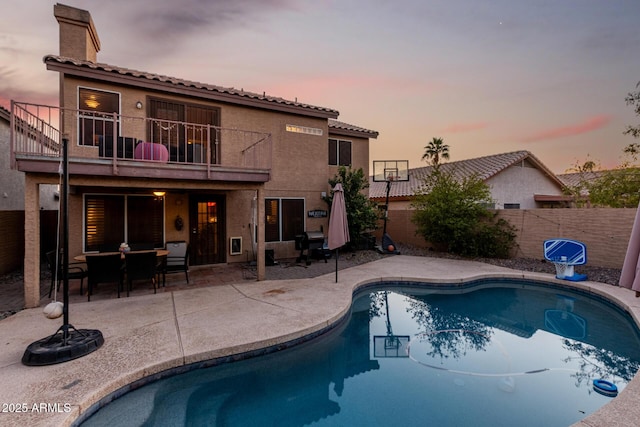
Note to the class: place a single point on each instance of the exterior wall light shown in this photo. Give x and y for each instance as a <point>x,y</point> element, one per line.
<point>139,105</point>
<point>158,193</point>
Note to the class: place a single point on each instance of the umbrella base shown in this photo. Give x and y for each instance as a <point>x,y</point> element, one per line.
<point>62,346</point>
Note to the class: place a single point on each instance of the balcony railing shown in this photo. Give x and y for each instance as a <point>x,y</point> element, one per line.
<point>36,132</point>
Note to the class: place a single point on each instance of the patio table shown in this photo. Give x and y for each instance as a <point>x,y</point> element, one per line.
<point>159,253</point>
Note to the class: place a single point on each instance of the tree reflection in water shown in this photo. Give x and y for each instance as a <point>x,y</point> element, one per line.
<point>452,326</point>
<point>599,363</point>
<point>459,335</point>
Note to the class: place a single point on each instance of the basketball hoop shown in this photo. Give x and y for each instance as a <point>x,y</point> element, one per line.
<point>565,254</point>
<point>389,171</point>
<point>563,269</point>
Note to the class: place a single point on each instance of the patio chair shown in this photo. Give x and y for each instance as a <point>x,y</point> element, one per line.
<point>140,266</point>
<point>177,260</point>
<point>76,270</point>
<point>104,269</point>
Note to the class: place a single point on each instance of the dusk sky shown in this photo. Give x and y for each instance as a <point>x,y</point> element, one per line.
<point>548,76</point>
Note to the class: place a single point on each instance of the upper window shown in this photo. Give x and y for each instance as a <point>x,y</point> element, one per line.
<point>96,119</point>
<point>339,152</point>
<point>304,129</point>
<point>512,205</point>
<point>284,219</point>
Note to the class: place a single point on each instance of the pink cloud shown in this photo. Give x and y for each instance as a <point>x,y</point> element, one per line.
<point>589,125</point>
<point>319,86</point>
<point>464,127</point>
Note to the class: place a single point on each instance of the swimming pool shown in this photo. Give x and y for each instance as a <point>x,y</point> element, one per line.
<point>493,353</point>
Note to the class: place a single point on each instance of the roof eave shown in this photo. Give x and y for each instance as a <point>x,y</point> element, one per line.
<point>552,198</point>
<point>183,89</point>
<point>546,170</point>
<point>352,133</point>
<point>383,199</point>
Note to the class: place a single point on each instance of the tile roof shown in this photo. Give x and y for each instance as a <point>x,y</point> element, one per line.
<point>4,113</point>
<point>575,179</point>
<point>338,127</point>
<point>484,167</point>
<point>216,92</point>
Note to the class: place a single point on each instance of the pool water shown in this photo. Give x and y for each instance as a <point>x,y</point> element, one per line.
<point>496,353</point>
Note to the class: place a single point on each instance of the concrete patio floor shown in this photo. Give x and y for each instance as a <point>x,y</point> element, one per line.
<point>148,333</point>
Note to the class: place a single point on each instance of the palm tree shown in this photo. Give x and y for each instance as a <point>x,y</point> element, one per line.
<point>434,150</point>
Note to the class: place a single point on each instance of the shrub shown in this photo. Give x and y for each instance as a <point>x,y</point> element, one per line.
<point>362,213</point>
<point>452,215</point>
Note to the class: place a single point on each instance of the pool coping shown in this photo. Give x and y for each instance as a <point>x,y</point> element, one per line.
<point>147,335</point>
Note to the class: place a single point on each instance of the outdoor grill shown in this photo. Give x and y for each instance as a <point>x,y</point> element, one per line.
<point>313,243</point>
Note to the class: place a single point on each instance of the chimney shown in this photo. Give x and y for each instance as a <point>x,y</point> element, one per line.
<point>78,36</point>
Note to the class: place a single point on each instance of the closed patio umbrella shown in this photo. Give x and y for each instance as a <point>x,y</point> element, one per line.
<point>338,225</point>
<point>630,274</point>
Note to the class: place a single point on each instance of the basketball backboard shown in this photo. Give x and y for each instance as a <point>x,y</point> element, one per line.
<point>390,170</point>
<point>570,251</point>
<point>391,345</point>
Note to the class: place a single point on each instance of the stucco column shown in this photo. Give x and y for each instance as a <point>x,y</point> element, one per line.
<point>260,221</point>
<point>31,242</point>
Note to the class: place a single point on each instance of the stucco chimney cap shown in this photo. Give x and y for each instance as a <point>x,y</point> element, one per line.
<point>73,15</point>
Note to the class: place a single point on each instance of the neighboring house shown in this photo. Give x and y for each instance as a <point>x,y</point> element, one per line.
<point>12,187</point>
<point>155,159</point>
<point>12,204</point>
<point>579,183</point>
<point>517,180</point>
<point>12,181</point>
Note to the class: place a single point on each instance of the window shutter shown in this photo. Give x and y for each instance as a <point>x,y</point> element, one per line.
<point>104,221</point>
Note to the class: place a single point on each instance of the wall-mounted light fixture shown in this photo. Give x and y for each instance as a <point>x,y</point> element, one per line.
<point>139,105</point>
<point>178,223</point>
<point>158,193</point>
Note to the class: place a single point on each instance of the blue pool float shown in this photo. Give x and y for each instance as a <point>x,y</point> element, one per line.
<point>605,387</point>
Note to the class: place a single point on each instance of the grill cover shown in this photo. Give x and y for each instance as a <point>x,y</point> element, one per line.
<point>314,236</point>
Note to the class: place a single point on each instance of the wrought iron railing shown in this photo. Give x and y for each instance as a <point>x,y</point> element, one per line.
<point>36,130</point>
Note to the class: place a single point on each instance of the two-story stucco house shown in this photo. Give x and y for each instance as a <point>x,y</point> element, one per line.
<point>154,159</point>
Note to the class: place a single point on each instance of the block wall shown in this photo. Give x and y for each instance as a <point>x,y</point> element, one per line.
<point>604,231</point>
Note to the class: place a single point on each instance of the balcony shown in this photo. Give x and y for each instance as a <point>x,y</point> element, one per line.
<point>114,145</point>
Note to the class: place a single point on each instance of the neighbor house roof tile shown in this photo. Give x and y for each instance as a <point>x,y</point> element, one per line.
<point>4,113</point>
<point>575,179</point>
<point>483,167</point>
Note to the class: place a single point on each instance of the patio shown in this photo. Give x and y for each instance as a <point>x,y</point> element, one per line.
<point>11,285</point>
